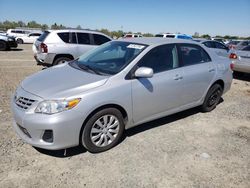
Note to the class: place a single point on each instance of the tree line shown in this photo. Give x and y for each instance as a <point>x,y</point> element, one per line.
<point>5,25</point>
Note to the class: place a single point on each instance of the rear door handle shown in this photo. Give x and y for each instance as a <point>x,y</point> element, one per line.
<point>211,70</point>
<point>178,77</point>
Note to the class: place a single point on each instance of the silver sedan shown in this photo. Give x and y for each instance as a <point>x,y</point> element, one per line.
<point>121,84</point>
<point>241,60</point>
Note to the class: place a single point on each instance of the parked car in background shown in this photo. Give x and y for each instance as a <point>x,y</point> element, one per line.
<point>28,38</point>
<point>2,32</point>
<point>121,84</point>
<point>17,32</point>
<point>132,35</point>
<point>233,43</point>
<point>7,42</point>
<point>177,36</point>
<point>221,40</point>
<point>241,60</point>
<point>55,47</point>
<point>242,44</point>
<point>219,48</point>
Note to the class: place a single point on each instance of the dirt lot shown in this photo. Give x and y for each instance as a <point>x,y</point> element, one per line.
<point>189,149</point>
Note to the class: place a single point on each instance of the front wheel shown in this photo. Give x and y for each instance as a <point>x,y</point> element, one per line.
<point>19,41</point>
<point>3,46</point>
<point>103,130</point>
<point>212,98</point>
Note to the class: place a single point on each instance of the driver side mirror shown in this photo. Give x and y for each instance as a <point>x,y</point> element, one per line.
<point>144,72</point>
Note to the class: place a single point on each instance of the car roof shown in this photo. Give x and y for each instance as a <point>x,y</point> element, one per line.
<point>155,40</point>
<point>74,30</point>
<point>77,30</point>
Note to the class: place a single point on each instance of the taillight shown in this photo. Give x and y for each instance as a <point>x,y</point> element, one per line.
<point>233,56</point>
<point>231,66</point>
<point>44,48</point>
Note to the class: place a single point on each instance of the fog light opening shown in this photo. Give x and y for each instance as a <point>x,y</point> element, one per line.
<point>48,136</point>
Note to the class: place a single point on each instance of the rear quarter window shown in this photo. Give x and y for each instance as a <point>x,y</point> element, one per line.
<point>64,36</point>
<point>100,39</point>
<point>43,36</point>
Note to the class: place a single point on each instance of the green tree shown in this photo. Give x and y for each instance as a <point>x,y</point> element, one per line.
<point>44,27</point>
<point>21,24</point>
<point>148,35</point>
<point>33,24</point>
<point>78,27</point>
<point>206,36</point>
<point>54,26</point>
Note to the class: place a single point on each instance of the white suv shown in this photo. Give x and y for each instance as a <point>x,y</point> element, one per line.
<point>29,38</point>
<point>17,32</point>
<point>55,47</point>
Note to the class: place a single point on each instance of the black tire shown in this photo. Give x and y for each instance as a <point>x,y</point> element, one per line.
<point>61,60</point>
<point>87,136</point>
<point>3,46</point>
<point>212,98</point>
<point>19,41</point>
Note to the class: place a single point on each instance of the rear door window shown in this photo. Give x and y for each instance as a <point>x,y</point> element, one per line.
<point>83,38</point>
<point>220,46</point>
<point>209,44</point>
<point>192,54</point>
<point>100,39</point>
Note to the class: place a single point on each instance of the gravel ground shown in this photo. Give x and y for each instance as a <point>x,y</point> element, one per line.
<point>188,149</point>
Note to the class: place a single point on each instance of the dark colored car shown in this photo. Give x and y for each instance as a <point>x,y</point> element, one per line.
<point>7,42</point>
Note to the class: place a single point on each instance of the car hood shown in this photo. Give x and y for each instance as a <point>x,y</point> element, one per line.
<point>61,81</point>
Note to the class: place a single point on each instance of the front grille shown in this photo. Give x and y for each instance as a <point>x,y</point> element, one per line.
<point>24,103</point>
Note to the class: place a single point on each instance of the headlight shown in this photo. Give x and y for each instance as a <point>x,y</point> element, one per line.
<point>10,39</point>
<point>55,106</point>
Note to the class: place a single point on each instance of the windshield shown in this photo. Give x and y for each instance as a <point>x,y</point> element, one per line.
<point>110,58</point>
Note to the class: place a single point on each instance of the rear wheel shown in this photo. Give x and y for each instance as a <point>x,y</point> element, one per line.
<point>19,41</point>
<point>3,46</point>
<point>61,60</point>
<point>212,98</point>
<point>103,130</point>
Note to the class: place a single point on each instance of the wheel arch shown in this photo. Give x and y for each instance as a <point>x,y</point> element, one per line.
<point>63,55</point>
<point>220,82</point>
<point>116,106</point>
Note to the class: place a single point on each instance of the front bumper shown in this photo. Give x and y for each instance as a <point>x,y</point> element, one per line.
<point>32,127</point>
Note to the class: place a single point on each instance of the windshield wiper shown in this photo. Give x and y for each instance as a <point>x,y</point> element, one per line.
<point>89,68</point>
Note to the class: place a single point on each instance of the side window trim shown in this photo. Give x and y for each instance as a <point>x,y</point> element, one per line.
<point>91,37</point>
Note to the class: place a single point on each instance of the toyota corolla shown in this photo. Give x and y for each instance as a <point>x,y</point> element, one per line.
<point>121,84</point>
